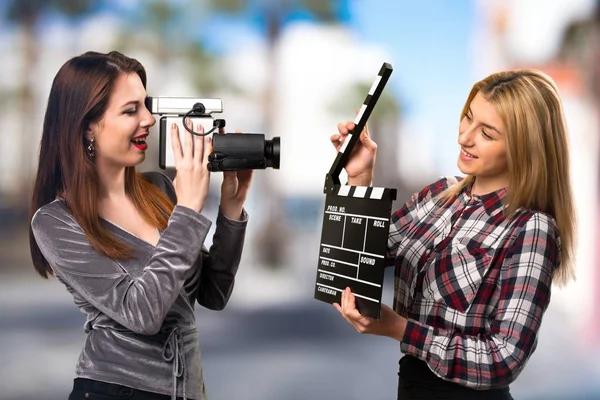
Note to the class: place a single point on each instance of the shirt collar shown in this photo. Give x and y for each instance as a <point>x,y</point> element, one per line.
<point>492,202</point>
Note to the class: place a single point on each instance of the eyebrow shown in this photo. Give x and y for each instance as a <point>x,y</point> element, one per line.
<point>486,125</point>
<point>131,102</point>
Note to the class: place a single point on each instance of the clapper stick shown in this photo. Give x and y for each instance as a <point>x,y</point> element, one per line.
<point>355,225</point>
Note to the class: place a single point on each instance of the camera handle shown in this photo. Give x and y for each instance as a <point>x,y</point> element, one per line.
<point>199,111</point>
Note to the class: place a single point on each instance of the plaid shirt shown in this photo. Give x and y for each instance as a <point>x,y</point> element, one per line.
<point>472,284</point>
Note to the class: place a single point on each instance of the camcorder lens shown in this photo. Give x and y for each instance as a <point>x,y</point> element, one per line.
<point>272,152</point>
<point>239,151</point>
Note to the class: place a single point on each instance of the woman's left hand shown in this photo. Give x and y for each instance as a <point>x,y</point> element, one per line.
<point>234,190</point>
<point>389,324</point>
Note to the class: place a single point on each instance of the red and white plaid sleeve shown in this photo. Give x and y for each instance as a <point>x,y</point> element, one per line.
<point>496,359</point>
<point>402,219</point>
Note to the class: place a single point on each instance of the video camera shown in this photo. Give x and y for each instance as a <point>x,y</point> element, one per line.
<point>231,151</point>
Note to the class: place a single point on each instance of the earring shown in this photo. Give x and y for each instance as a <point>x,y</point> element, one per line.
<point>91,150</point>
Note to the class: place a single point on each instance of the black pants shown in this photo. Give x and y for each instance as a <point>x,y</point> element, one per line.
<point>417,381</point>
<point>88,389</point>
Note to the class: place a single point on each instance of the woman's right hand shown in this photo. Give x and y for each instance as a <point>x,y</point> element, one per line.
<point>361,162</point>
<point>191,163</point>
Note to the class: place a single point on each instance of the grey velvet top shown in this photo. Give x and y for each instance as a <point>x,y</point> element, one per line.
<point>140,323</point>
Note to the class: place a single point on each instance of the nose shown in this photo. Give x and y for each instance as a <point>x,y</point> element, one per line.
<point>465,138</point>
<point>148,119</point>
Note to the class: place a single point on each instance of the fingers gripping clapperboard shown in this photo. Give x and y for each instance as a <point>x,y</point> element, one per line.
<point>355,226</point>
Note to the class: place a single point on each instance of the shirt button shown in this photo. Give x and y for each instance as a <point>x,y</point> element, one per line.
<point>87,395</point>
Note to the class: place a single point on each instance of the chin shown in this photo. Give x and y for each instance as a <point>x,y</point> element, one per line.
<point>462,168</point>
<point>134,163</point>
<point>140,159</point>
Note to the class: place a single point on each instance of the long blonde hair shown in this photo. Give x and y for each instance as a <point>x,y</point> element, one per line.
<point>529,105</point>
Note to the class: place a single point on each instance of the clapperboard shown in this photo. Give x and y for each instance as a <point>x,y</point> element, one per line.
<point>355,227</point>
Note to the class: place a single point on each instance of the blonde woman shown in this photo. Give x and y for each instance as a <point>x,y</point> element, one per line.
<point>475,257</point>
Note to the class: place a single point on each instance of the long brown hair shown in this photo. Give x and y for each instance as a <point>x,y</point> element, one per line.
<point>78,97</point>
<point>529,105</point>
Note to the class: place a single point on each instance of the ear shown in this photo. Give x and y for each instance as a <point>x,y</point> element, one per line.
<point>90,132</point>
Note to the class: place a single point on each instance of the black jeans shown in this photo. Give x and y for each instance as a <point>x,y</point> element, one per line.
<point>89,389</point>
<point>417,381</point>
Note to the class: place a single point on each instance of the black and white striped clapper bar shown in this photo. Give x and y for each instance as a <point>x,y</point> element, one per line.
<point>356,224</point>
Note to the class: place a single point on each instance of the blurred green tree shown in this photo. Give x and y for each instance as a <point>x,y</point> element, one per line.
<point>27,15</point>
<point>274,236</point>
<point>161,28</point>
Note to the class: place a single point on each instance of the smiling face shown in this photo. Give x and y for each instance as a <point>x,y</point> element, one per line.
<point>483,154</point>
<point>119,137</point>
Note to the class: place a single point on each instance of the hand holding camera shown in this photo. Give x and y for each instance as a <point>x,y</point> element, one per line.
<point>193,177</point>
<point>234,189</point>
<point>230,152</point>
<point>195,156</point>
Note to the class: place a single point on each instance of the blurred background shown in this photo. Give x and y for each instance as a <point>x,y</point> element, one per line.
<point>294,69</point>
